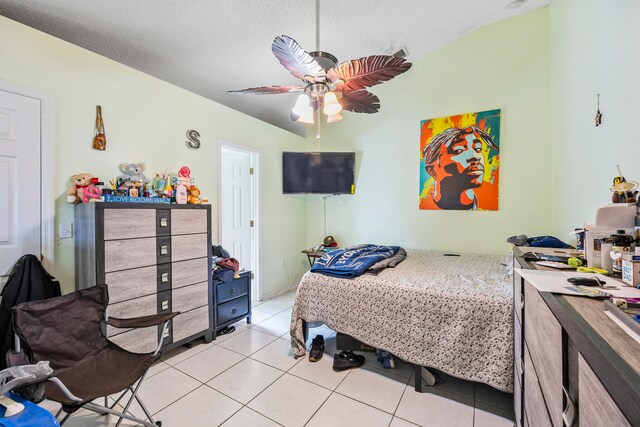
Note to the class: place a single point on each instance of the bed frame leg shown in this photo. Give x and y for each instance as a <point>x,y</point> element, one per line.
<point>305,330</point>
<point>417,376</point>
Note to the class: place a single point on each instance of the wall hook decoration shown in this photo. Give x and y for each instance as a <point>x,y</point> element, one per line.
<point>598,114</point>
<point>193,139</point>
<point>100,139</point>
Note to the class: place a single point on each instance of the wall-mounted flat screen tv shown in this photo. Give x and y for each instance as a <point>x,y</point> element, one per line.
<point>318,173</point>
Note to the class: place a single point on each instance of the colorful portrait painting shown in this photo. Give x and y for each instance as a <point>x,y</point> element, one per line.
<point>460,161</point>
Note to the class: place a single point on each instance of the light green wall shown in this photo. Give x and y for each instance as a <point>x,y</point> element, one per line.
<point>505,65</point>
<point>146,120</point>
<point>595,48</point>
<point>543,69</point>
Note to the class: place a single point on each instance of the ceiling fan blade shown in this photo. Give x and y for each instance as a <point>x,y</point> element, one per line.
<point>295,59</point>
<point>360,101</point>
<point>370,71</point>
<point>267,90</point>
<point>332,75</point>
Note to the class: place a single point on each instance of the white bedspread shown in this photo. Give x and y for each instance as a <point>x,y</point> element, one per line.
<point>454,314</point>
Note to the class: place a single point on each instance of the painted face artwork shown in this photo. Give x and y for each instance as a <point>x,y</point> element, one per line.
<point>462,159</point>
<point>459,162</point>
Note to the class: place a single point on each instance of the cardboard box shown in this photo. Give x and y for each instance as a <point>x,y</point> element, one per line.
<point>592,243</point>
<point>630,270</point>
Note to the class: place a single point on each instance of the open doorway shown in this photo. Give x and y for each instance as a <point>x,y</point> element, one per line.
<point>238,219</point>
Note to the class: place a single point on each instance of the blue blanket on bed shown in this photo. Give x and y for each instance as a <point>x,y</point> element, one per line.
<point>352,261</point>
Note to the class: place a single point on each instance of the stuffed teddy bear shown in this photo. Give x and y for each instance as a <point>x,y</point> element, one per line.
<point>133,172</point>
<point>194,196</point>
<point>78,182</point>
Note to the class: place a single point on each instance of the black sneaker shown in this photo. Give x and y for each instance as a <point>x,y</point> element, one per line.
<point>347,360</point>
<point>317,349</point>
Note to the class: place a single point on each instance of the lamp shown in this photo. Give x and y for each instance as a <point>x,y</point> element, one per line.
<point>302,111</point>
<point>334,118</point>
<point>331,104</point>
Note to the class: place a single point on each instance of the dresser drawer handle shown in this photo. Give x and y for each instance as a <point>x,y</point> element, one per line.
<point>164,305</point>
<point>569,410</point>
<point>233,311</point>
<point>232,291</point>
<point>521,301</point>
<point>164,222</point>
<point>164,249</point>
<point>166,333</point>
<point>165,277</point>
<point>520,365</point>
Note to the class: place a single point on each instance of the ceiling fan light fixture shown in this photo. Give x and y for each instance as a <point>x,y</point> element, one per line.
<point>302,110</point>
<point>334,118</point>
<point>331,104</point>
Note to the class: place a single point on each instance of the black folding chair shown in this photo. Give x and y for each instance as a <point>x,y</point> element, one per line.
<point>68,331</point>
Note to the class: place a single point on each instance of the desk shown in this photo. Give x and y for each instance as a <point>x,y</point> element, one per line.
<point>564,341</point>
<point>313,254</point>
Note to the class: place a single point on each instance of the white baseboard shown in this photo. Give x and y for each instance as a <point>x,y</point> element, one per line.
<point>279,292</point>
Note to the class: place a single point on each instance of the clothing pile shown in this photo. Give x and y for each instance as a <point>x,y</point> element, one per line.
<point>359,259</point>
<point>225,267</point>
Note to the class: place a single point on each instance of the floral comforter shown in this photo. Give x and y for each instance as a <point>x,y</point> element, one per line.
<point>454,314</point>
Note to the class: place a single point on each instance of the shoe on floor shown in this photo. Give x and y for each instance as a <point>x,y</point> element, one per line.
<point>387,361</point>
<point>347,360</point>
<point>317,349</point>
<point>226,330</point>
<point>430,377</point>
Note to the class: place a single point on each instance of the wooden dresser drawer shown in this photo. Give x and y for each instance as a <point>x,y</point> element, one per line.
<point>597,408</point>
<point>129,284</point>
<point>189,297</point>
<point>230,290</point>
<point>543,338</point>
<point>534,404</point>
<point>232,309</point>
<point>517,402</point>
<point>189,272</point>
<point>518,345</point>
<point>129,223</point>
<point>188,221</point>
<point>189,246</point>
<point>143,340</point>
<point>137,307</point>
<point>518,297</point>
<point>130,253</point>
<point>190,323</point>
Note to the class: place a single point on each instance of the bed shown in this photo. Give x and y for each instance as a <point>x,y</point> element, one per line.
<point>452,313</point>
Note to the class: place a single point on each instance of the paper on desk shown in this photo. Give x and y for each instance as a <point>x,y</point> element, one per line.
<point>624,327</point>
<point>556,282</point>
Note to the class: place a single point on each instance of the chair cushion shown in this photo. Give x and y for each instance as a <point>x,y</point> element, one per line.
<point>102,373</point>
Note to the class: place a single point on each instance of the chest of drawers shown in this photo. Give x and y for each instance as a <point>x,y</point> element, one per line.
<point>570,354</point>
<point>233,300</point>
<point>155,259</point>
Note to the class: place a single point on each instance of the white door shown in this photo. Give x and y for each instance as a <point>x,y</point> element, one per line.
<point>236,209</point>
<point>20,172</point>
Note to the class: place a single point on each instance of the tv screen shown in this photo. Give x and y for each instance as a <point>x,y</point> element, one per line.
<point>318,173</point>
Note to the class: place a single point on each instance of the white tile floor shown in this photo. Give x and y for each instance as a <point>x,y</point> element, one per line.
<point>249,378</point>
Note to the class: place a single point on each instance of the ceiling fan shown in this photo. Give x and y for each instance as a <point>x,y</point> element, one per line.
<point>329,87</point>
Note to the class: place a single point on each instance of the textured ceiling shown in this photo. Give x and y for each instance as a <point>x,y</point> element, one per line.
<point>211,46</point>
